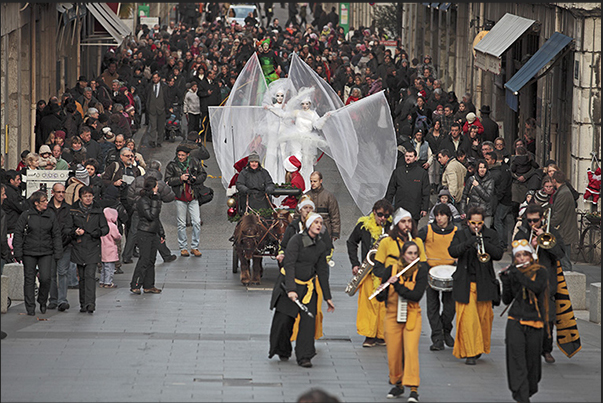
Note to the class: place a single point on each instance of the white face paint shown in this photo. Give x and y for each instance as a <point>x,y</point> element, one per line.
<point>305,105</point>
<point>280,98</point>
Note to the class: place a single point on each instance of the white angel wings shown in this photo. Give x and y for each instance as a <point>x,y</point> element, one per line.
<point>359,137</point>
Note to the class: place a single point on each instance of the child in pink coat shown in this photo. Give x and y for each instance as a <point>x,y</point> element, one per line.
<point>109,251</point>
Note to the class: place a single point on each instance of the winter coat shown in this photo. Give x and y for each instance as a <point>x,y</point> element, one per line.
<point>453,178</point>
<point>87,247</point>
<point>37,234</point>
<point>13,206</point>
<point>515,285</point>
<point>563,215</point>
<point>304,259</point>
<point>502,184</point>
<point>480,195</point>
<point>149,209</point>
<point>165,192</point>
<point>470,269</point>
<point>464,144</point>
<point>109,252</point>
<point>173,172</point>
<point>409,187</point>
<point>64,219</point>
<point>254,186</point>
<point>327,206</point>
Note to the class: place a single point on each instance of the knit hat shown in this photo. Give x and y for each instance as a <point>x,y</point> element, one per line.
<point>306,201</point>
<point>471,117</point>
<point>130,109</point>
<point>311,218</point>
<point>44,149</point>
<point>254,156</point>
<point>81,174</point>
<point>60,133</point>
<point>521,245</point>
<point>400,214</point>
<point>292,164</point>
<point>92,110</point>
<point>541,197</point>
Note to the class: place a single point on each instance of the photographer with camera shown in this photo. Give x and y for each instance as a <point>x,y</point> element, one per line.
<point>121,174</point>
<point>185,174</point>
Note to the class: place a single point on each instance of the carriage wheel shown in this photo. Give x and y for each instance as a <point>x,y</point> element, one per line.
<point>235,260</point>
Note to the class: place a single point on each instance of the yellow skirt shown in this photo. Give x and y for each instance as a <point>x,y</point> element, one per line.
<point>473,326</point>
<point>318,330</point>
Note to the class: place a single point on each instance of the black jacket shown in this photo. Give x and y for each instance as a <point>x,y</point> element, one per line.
<point>165,192</point>
<point>295,227</point>
<point>490,128</point>
<point>173,172</point>
<point>206,99</point>
<point>502,185</point>
<point>470,269</point>
<point>87,247</point>
<point>464,144</point>
<point>255,183</point>
<point>549,258</point>
<point>63,215</point>
<point>13,206</point>
<point>149,208</point>
<point>37,234</point>
<point>409,187</point>
<point>515,285</point>
<point>304,259</point>
<point>360,236</point>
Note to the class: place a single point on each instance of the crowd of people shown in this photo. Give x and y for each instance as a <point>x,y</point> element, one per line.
<point>178,71</point>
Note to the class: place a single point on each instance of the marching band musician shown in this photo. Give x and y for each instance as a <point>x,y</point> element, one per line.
<point>437,237</point>
<point>305,259</point>
<point>474,286</point>
<point>531,228</point>
<point>370,315</point>
<point>402,339</point>
<point>525,285</point>
<point>305,206</point>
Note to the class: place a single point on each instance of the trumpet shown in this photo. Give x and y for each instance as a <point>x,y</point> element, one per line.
<point>386,284</point>
<point>546,240</point>
<point>482,255</point>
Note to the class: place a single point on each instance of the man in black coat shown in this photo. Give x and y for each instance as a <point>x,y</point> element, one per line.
<point>60,268</point>
<point>531,228</point>
<point>15,203</point>
<point>254,185</point>
<point>49,123</point>
<point>89,225</point>
<point>209,95</point>
<point>474,285</point>
<point>502,202</point>
<point>490,127</point>
<point>409,187</point>
<point>157,106</point>
<point>455,140</point>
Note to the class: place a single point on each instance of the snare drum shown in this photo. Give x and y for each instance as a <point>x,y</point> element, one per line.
<point>440,277</point>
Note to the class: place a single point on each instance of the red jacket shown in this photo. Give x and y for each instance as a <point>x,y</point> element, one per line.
<point>298,182</point>
<point>477,123</point>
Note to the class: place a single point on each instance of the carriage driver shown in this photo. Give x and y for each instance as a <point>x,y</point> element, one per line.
<point>254,185</point>
<point>436,238</point>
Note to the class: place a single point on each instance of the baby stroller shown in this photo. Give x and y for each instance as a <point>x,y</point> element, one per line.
<point>173,124</point>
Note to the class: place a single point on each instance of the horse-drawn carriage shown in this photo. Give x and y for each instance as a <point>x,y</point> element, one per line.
<point>258,233</point>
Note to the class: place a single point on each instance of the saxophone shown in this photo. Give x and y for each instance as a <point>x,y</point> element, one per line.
<point>365,268</point>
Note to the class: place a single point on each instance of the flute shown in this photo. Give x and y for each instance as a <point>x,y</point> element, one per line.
<point>301,306</point>
<point>503,271</point>
<point>386,284</point>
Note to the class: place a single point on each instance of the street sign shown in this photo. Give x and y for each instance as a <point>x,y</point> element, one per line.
<point>344,16</point>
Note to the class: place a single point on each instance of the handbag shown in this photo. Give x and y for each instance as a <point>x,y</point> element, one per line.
<point>497,296</point>
<point>205,194</point>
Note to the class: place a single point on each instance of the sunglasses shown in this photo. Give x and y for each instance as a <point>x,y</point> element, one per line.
<point>533,220</point>
<point>476,222</point>
<point>381,215</point>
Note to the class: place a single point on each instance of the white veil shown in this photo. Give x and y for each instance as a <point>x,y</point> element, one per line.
<point>360,137</point>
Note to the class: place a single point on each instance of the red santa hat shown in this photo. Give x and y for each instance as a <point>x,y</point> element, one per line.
<point>292,164</point>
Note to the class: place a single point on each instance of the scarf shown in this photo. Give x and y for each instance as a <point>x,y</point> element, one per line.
<point>370,224</point>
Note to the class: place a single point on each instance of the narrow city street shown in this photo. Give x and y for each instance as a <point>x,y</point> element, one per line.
<point>205,337</point>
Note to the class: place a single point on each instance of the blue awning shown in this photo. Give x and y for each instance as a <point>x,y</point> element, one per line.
<point>551,48</point>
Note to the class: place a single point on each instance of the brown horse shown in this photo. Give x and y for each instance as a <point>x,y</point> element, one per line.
<point>254,237</point>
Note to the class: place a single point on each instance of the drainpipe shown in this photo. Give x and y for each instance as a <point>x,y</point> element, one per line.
<point>32,72</point>
<point>479,86</point>
<point>593,207</point>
